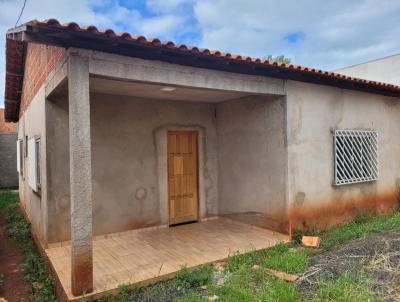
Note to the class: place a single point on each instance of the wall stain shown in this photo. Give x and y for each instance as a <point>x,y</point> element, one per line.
<point>322,214</point>
<point>82,274</point>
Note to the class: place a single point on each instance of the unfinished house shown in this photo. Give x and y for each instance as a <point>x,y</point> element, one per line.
<point>139,156</point>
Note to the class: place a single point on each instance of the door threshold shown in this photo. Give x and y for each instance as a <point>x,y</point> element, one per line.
<point>183,223</point>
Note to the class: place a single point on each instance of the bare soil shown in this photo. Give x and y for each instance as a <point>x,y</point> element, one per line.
<point>14,288</point>
<point>376,257</point>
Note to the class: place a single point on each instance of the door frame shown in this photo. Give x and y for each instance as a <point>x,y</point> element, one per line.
<point>162,170</point>
<point>197,175</point>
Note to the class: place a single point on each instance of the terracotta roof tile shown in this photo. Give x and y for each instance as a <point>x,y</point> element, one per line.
<point>292,71</point>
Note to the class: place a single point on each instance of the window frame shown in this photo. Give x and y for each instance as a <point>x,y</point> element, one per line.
<point>38,168</point>
<point>356,156</point>
<point>20,156</point>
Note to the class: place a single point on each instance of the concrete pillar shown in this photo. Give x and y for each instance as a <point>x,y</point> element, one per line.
<point>80,175</point>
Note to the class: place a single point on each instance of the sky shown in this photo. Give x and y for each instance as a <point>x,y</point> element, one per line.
<point>322,34</point>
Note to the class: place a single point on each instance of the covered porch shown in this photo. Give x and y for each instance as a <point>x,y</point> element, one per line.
<point>111,213</point>
<point>145,256</point>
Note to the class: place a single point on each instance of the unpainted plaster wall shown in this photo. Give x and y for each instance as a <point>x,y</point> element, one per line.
<point>32,124</point>
<point>252,160</point>
<point>124,160</point>
<point>312,112</point>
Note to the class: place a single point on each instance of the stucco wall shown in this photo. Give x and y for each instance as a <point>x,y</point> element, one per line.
<point>32,124</point>
<point>124,160</point>
<point>383,70</point>
<point>8,160</point>
<point>252,160</point>
<point>312,112</point>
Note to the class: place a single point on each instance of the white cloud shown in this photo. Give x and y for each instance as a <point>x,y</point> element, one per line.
<point>336,33</point>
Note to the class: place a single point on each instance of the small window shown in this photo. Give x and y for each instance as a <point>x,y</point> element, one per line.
<point>33,164</point>
<point>20,156</point>
<point>356,156</point>
<point>26,146</point>
<point>37,163</point>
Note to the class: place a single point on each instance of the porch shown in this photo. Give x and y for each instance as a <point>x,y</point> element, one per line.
<point>155,145</point>
<point>142,257</point>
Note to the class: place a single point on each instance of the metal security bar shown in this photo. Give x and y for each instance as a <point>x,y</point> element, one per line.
<point>356,156</point>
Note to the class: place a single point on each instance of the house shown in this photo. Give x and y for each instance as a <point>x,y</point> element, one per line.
<point>385,69</point>
<point>8,153</point>
<point>123,137</point>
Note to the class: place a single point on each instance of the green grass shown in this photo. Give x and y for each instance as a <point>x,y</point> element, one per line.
<point>195,278</point>
<point>185,284</point>
<point>345,289</point>
<point>282,258</point>
<point>359,228</point>
<point>246,284</point>
<point>279,257</point>
<point>35,272</point>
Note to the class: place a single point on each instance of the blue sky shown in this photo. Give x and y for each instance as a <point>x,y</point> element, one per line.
<point>324,34</point>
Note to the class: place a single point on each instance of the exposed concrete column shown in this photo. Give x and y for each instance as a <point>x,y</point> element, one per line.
<point>80,175</point>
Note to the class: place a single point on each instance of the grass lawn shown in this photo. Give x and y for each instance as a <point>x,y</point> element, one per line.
<point>243,278</point>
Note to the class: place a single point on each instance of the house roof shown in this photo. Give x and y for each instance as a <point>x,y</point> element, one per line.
<point>90,37</point>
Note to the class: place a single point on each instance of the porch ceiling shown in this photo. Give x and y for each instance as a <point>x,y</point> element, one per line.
<point>155,91</point>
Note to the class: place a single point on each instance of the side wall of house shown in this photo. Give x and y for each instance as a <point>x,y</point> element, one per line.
<point>40,61</point>
<point>125,160</point>
<point>32,124</point>
<point>313,111</point>
<point>252,160</point>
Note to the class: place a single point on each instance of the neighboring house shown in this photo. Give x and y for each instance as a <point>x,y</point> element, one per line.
<point>8,153</point>
<point>382,70</point>
<point>120,132</point>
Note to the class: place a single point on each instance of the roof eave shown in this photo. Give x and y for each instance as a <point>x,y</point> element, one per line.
<point>53,33</point>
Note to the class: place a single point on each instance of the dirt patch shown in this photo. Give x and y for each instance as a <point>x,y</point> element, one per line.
<point>14,288</point>
<point>377,257</point>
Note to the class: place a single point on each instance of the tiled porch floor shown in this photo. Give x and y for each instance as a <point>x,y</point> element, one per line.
<point>139,257</point>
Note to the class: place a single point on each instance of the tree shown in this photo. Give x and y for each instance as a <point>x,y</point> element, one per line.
<point>279,59</point>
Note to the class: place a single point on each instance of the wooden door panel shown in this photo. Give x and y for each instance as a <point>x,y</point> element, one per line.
<point>182,176</point>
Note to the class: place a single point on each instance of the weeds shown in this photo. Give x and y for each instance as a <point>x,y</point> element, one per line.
<point>346,288</point>
<point>195,278</point>
<point>281,257</point>
<point>35,272</point>
<point>297,236</point>
<point>358,228</point>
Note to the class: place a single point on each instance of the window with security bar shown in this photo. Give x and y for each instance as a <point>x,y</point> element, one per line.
<point>356,156</point>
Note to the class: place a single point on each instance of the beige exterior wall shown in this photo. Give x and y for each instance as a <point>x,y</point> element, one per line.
<point>312,112</point>
<point>32,124</point>
<point>125,160</point>
<point>252,160</point>
<point>382,70</point>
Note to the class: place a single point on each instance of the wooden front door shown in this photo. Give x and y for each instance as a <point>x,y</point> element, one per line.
<point>182,176</point>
